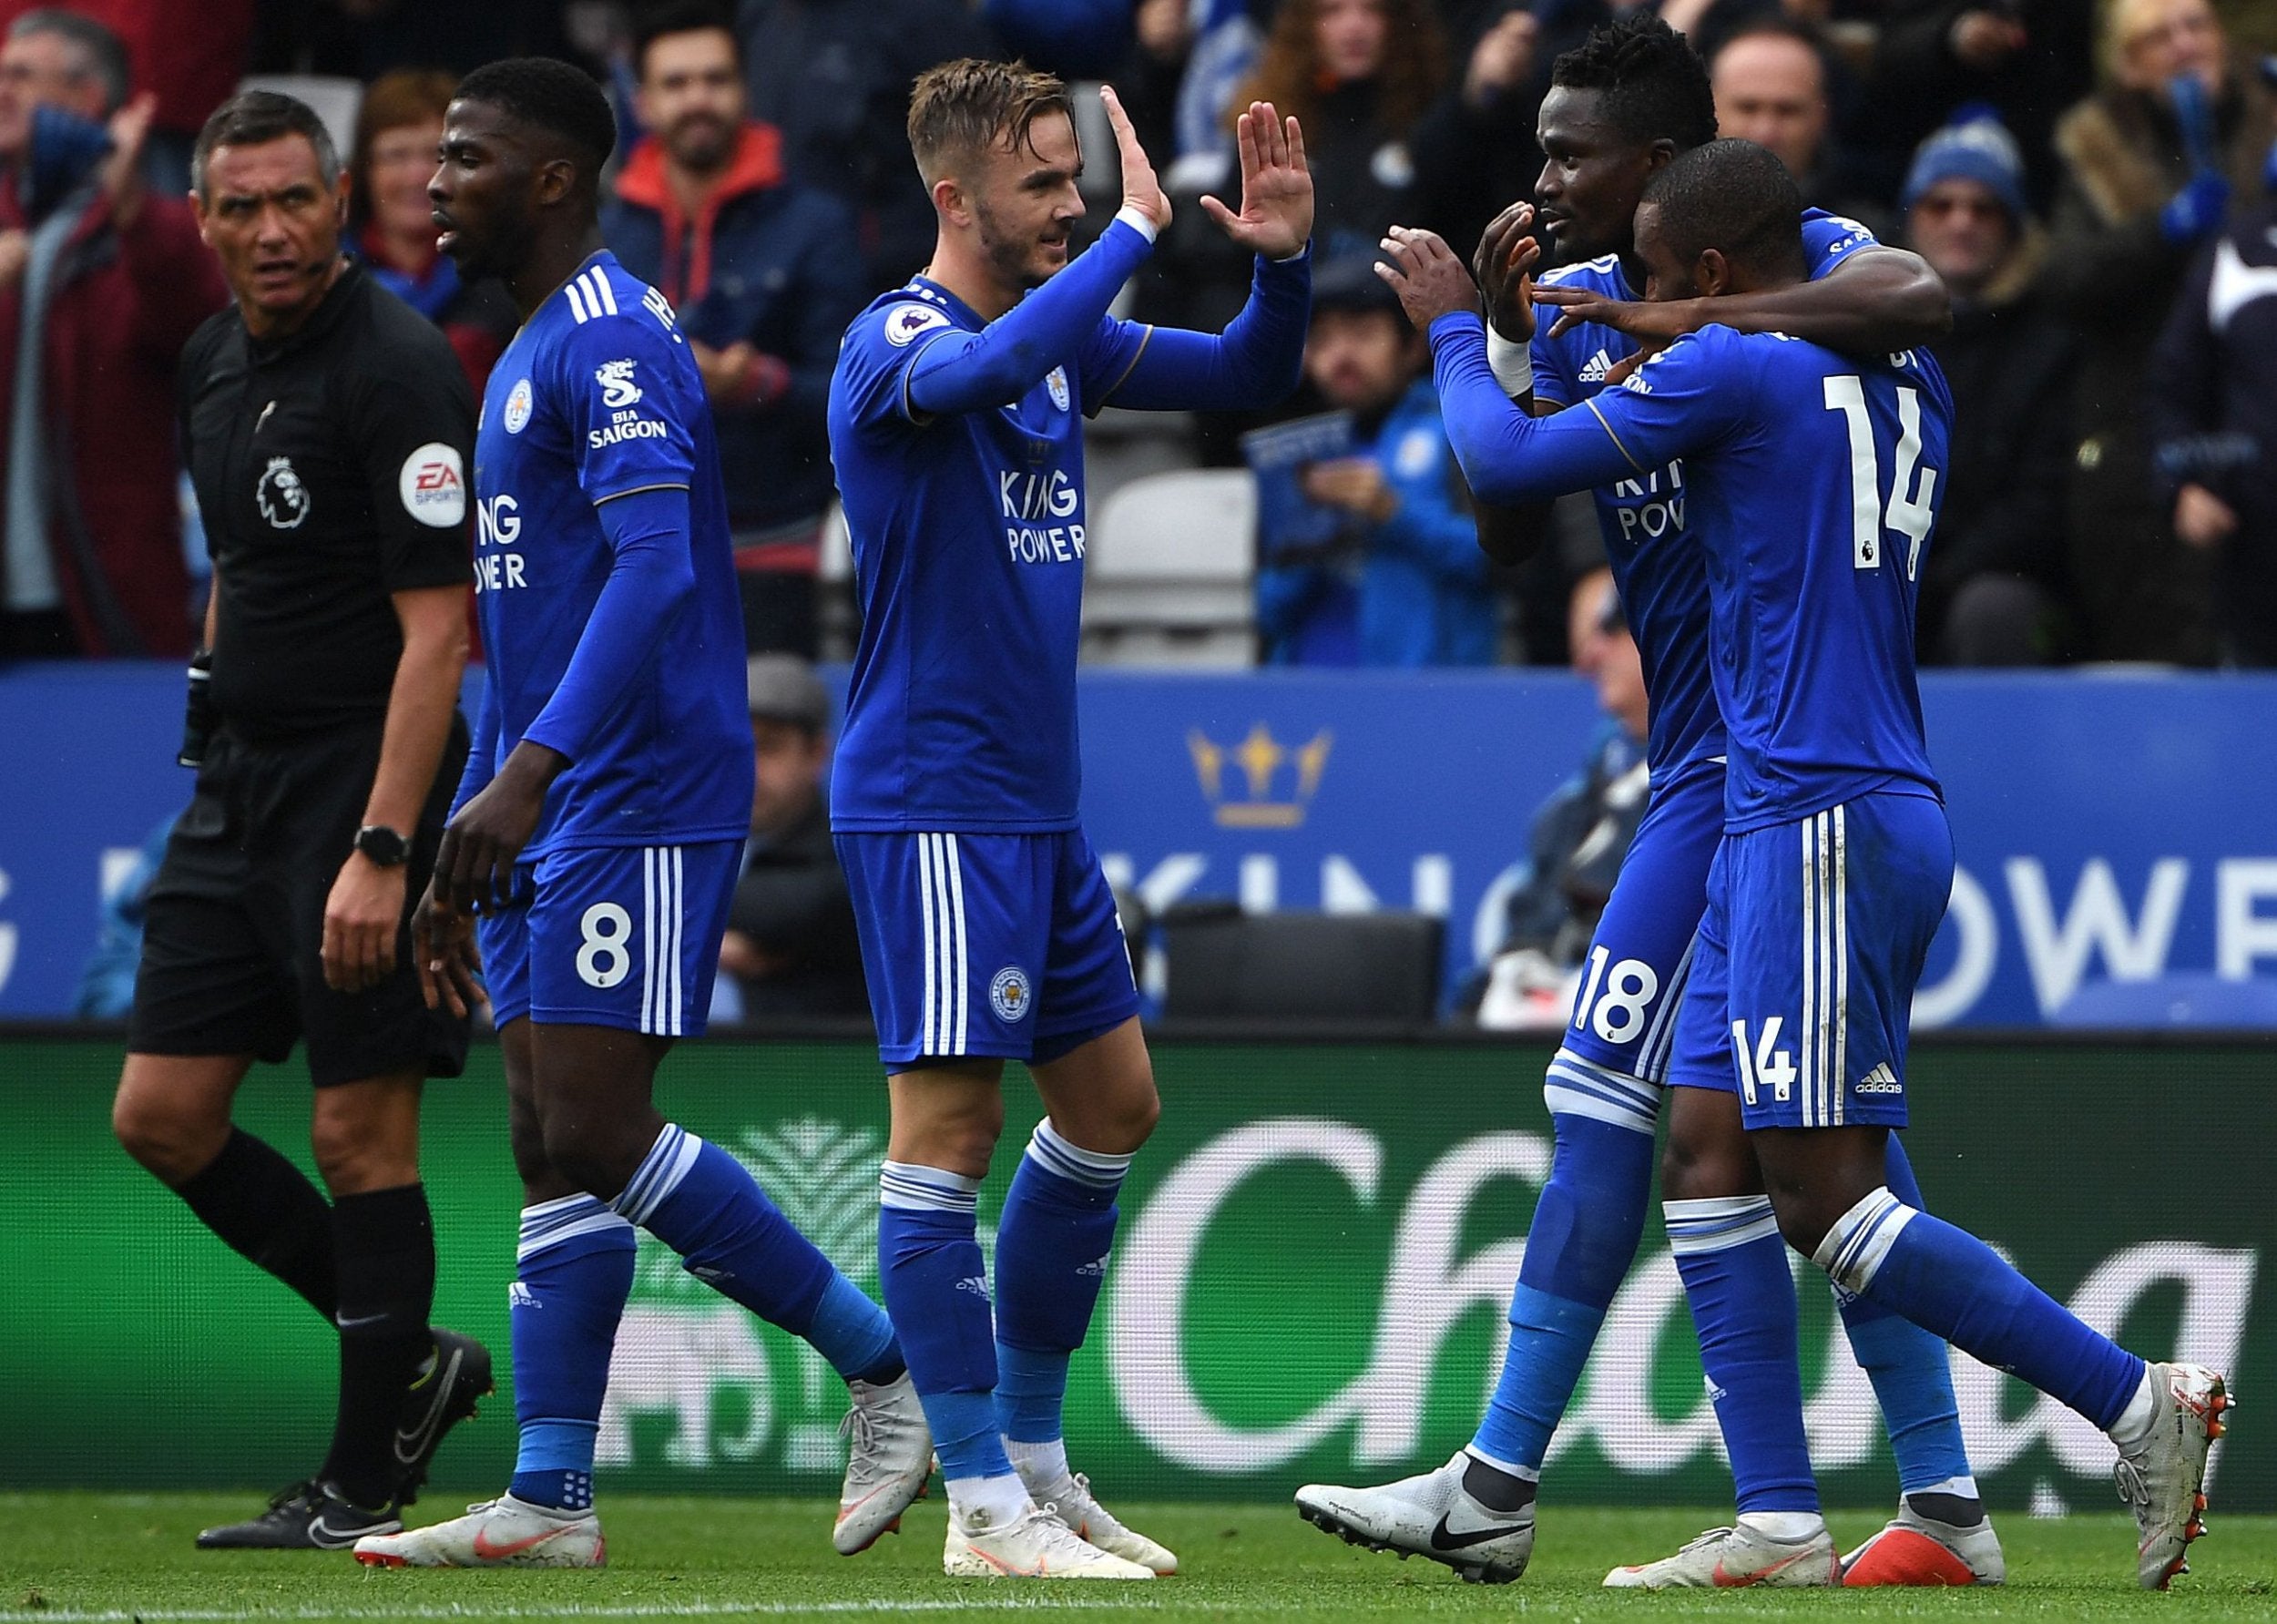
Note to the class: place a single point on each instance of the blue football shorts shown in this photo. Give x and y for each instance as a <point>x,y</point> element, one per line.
<point>1613,1055</point>
<point>1801,988</point>
<point>978,945</point>
<point>624,936</point>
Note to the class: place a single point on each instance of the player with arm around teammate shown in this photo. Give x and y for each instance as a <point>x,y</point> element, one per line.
<point>989,933</point>
<point>1813,480</point>
<point>600,826</point>
<point>1622,107</point>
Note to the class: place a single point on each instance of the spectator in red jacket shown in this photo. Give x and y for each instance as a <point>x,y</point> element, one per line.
<point>399,124</point>
<point>105,280</point>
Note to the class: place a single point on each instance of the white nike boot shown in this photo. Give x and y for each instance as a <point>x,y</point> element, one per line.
<point>501,1533</point>
<point>1432,1516</point>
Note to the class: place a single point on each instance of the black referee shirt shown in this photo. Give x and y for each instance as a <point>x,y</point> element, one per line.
<point>330,467</point>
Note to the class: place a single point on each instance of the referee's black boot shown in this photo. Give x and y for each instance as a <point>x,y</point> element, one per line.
<point>307,1516</point>
<point>445,1394</point>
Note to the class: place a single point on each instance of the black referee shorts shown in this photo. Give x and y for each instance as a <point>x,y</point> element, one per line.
<point>232,945</point>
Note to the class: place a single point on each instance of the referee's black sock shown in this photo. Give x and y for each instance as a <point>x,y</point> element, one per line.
<point>268,1211</point>
<point>385,1249</point>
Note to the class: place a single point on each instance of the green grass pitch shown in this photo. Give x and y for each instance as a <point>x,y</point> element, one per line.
<point>65,1558</point>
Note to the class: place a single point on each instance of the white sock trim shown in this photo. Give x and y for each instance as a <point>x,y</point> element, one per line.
<point>1719,1223</point>
<point>915,1187</point>
<point>1963,1487</point>
<point>660,1173</point>
<point>1853,1250</point>
<point>1039,1465</point>
<point>1508,1468</point>
<point>1053,1151</point>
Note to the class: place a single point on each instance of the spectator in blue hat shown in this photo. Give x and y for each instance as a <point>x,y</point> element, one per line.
<point>1993,590</point>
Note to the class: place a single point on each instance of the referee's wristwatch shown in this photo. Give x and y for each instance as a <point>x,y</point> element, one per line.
<point>383,845</point>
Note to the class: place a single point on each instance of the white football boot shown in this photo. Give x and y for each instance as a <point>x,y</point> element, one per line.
<point>501,1533</point>
<point>1072,1501</point>
<point>887,1465</point>
<point>1914,1549</point>
<point>1728,1559</point>
<point>2162,1475</point>
<point>1430,1516</point>
<point>1034,1545</point>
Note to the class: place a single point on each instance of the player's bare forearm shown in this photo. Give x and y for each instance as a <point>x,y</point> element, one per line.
<point>1876,302</point>
<point>420,705</point>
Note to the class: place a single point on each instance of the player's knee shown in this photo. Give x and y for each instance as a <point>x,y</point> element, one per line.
<point>1698,1167</point>
<point>352,1160</point>
<point>164,1135</point>
<point>591,1154</point>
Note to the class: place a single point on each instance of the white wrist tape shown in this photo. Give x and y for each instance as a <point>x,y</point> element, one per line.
<point>1513,363</point>
<point>1137,218</point>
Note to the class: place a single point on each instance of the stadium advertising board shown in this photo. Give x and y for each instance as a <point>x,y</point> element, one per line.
<point>2112,829</point>
<point>1315,1254</point>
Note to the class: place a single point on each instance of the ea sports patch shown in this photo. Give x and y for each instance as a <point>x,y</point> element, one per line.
<point>1009,994</point>
<point>905,321</point>
<point>433,484</point>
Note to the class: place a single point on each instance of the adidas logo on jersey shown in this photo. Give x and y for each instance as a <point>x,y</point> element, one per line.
<point>1880,1080</point>
<point>1096,1271</point>
<point>974,1283</point>
<point>1593,370</point>
<point>520,1296</point>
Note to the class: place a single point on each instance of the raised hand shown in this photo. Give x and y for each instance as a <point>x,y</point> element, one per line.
<point>1276,217</point>
<point>121,174</point>
<point>1141,190</point>
<point>1503,265</point>
<point>1430,281</point>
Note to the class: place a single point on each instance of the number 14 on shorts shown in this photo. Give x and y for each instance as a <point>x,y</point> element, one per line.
<point>1764,1065</point>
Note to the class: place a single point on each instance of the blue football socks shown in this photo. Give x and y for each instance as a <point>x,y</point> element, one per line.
<point>1052,1246</point>
<point>573,1271</point>
<point>1583,1239</point>
<point>930,1267</point>
<point>1949,1283</point>
<point>1736,1278</point>
<point>706,1206</point>
<point>1911,1373</point>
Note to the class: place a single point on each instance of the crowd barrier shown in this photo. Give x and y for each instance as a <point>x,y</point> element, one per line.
<point>1315,1254</point>
<point>2117,833</point>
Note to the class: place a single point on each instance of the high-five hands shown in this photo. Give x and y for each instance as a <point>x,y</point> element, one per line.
<point>1430,281</point>
<point>1141,190</point>
<point>1276,217</point>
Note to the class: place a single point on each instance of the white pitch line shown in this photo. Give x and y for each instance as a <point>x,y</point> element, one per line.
<point>689,1609</point>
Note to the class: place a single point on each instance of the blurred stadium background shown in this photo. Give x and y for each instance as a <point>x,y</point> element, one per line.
<point>1317,1247</point>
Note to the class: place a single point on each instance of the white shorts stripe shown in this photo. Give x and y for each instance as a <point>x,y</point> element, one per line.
<point>1804,1038</point>
<point>676,926</point>
<point>957,903</point>
<point>647,939</point>
<point>1838,1083</point>
<point>1659,1039</point>
<point>925,911</point>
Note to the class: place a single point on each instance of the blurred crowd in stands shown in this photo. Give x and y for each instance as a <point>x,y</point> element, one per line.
<point>2093,180</point>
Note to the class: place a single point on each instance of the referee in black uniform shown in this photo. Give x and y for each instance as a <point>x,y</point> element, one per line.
<point>328,431</point>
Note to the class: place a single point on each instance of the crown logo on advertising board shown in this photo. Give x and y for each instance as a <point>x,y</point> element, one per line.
<point>1279,780</point>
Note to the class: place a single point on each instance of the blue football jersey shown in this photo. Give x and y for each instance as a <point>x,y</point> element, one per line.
<point>968,537</point>
<point>598,397</point>
<point>1811,482</point>
<point>1658,572</point>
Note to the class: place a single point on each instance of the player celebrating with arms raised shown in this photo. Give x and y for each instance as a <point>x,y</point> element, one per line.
<point>600,824</point>
<point>988,930</point>
<point>1813,480</point>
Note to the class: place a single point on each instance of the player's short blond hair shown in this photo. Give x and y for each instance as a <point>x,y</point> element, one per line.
<point>962,109</point>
